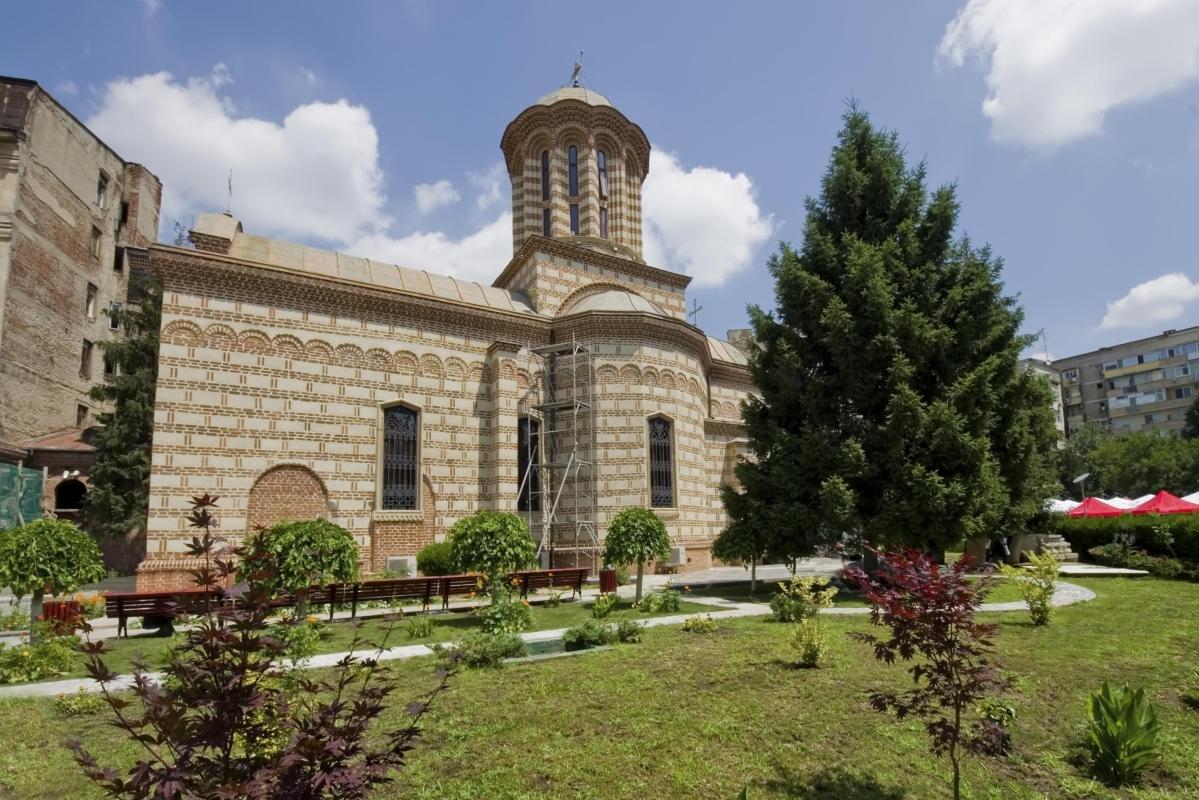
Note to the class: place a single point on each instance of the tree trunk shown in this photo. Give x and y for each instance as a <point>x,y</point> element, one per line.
<point>753,575</point>
<point>35,611</point>
<point>301,604</point>
<point>640,575</point>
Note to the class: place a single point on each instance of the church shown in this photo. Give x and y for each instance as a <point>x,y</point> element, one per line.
<point>298,383</point>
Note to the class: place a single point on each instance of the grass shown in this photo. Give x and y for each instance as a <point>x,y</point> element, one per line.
<point>1002,591</point>
<point>153,649</point>
<point>689,716</point>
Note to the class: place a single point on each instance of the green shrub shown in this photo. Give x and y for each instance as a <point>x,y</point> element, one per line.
<point>47,556</point>
<point>603,605</point>
<point>47,657</point>
<point>435,559</point>
<point>301,638</point>
<point>629,631</point>
<point>636,535</point>
<point>480,650</point>
<point>1036,585</point>
<point>15,620</point>
<point>1123,731</point>
<point>1172,535</point>
<point>588,633</point>
<point>493,543</point>
<point>505,614</point>
<point>554,598</point>
<point>665,601</point>
<point>80,703</point>
<point>801,598</point>
<point>810,642</point>
<point>293,556</point>
<point>421,627</point>
<point>697,624</point>
<point>1121,555</point>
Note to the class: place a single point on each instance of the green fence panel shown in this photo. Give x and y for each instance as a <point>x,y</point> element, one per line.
<point>20,495</point>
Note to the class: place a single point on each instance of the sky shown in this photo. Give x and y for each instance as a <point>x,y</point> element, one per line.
<point>1070,127</point>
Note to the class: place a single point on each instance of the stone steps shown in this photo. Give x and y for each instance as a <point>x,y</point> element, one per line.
<point>1057,546</point>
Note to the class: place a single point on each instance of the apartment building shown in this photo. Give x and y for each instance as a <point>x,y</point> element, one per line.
<point>1143,384</point>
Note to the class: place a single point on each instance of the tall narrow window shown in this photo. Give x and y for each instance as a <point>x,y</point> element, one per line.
<point>114,316</point>
<point>545,222</point>
<point>661,463</point>
<point>574,218</point>
<point>603,222</point>
<point>545,174</point>
<point>601,162</point>
<point>96,239</point>
<point>89,305</point>
<point>574,171</point>
<point>85,360</point>
<point>80,416</point>
<point>101,190</point>
<point>528,461</point>
<point>118,259</point>
<point>400,458</point>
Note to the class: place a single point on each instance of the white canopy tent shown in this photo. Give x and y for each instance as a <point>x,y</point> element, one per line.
<point>1193,497</point>
<point>1124,502</point>
<point>1060,506</point>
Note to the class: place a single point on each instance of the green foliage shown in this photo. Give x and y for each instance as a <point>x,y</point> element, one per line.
<point>629,631</point>
<point>700,624</point>
<point>1190,428</point>
<point>588,633</point>
<point>505,614</point>
<point>1035,585</point>
<point>801,598</point>
<point>292,556</point>
<point>1121,555</point>
<point>436,558</point>
<point>301,638</point>
<point>810,642</point>
<point>603,605</point>
<point>1174,535</point>
<point>50,555</point>
<point>420,627</point>
<point>891,404</point>
<point>664,601</point>
<point>492,542</point>
<point>1128,463</point>
<point>636,535</point>
<point>16,619</point>
<point>46,657</point>
<point>554,598</point>
<point>79,704</point>
<point>119,486</point>
<point>481,650</point>
<point>1123,731</point>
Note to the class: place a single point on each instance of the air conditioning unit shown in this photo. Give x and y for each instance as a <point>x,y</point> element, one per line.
<point>678,556</point>
<point>402,566</point>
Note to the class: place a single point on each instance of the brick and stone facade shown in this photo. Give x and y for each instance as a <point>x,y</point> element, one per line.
<point>279,362</point>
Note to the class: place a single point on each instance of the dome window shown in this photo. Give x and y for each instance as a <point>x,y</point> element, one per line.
<point>574,171</point>
<point>545,175</point>
<point>601,162</point>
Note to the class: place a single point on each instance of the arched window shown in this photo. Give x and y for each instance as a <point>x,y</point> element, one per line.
<point>574,218</point>
<point>601,163</point>
<point>574,171</point>
<point>545,174</point>
<point>545,222</point>
<point>603,222</point>
<point>661,463</point>
<point>401,458</point>
<point>528,452</point>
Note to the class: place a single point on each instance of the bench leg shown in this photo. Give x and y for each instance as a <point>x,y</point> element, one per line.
<point>122,626</point>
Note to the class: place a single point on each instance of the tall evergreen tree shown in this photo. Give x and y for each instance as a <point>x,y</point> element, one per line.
<point>118,498</point>
<point>1190,428</point>
<point>892,406</point>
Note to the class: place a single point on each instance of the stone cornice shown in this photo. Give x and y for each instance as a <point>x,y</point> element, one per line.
<point>735,375</point>
<point>721,427</point>
<point>538,118</point>
<point>566,249</point>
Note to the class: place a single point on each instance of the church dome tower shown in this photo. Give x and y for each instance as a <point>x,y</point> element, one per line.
<point>576,166</point>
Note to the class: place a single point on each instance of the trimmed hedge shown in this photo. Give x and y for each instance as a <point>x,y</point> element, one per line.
<point>1174,535</point>
<point>435,558</point>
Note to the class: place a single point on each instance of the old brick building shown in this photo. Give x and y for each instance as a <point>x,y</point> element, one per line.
<point>296,382</point>
<point>69,208</point>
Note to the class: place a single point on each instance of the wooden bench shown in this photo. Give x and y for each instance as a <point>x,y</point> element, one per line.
<point>422,589</point>
<point>458,585</point>
<point>534,579</point>
<point>168,605</point>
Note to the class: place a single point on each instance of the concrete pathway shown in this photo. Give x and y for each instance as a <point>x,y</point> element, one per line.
<point>1065,594</point>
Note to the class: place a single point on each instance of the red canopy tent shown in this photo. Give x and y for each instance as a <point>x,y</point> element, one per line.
<point>1094,507</point>
<point>1165,503</point>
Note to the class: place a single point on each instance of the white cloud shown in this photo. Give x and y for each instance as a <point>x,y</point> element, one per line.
<point>701,221</point>
<point>151,6</point>
<point>1159,300</point>
<point>1056,67</point>
<point>490,185</point>
<point>430,196</point>
<point>316,174</point>
<point>478,256</point>
<point>66,89</point>
<point>309,76</point>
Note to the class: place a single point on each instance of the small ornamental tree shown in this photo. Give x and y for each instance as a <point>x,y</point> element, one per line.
<point>930,611</point>
<point>292,556</point>
<point>47,556</point>
<point>494,543</point>
<point>742,541</point>
<point>635,536</point>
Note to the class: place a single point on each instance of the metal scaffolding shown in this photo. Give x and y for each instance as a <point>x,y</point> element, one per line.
<point>557,489</point>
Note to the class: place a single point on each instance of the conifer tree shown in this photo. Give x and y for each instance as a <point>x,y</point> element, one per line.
<point>891,405</point>
<point>119,494</point>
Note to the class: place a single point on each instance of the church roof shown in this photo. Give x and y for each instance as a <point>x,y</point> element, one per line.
<point>328,264</point>
<point>589,96</point>
<point>613,300</point>
<point>726,351</point>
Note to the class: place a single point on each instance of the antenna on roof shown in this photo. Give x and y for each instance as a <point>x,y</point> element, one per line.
<point>577,72</point>
<point>229,200</point>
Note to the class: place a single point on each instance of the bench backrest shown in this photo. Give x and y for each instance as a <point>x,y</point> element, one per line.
<point>132,604</point>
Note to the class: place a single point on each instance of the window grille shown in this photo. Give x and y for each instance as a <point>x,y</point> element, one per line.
<point>400,459</point>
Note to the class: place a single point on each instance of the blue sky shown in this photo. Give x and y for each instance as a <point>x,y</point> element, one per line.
<point>1080,171</point>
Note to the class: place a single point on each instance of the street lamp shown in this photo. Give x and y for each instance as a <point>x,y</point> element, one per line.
<point>1081,480</point>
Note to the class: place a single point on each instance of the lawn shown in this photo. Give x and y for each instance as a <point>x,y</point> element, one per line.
<point>688,716</point>
<point>338,634</point>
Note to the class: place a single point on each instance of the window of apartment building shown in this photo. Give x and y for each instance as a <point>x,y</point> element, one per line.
<point>118,259</point>
<point>1070,375</point>
<point>81,416</point>
<point>124,218</point>
<point>114,316</point>
<point>1183,392</point>
<point>109,368</point>
<point>528,452</point>
<point>89,305</point>
<point>102,190</point>
<point>401,458</point>
<point>97,237</point>
<point>85,359</point>
<point>661,463</point>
